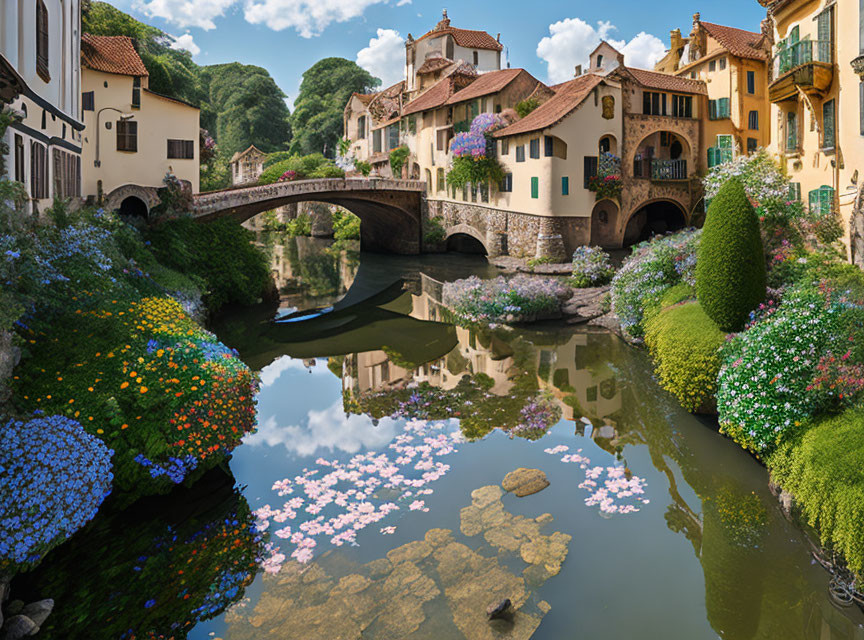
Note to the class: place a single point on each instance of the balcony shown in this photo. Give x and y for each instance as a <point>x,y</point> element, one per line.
<point>808,65</point>
<point>660,170</point>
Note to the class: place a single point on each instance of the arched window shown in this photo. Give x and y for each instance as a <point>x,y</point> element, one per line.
<point>42,41</point>
<point>599,60</point>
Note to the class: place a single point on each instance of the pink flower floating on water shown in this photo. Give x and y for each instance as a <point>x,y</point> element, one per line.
<point>345,499</point>
<point>605,491</point>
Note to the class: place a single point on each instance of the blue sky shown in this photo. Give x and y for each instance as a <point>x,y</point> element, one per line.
<point>547,38</point>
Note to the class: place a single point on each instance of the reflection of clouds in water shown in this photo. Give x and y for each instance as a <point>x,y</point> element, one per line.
<point>272,371</point>
<point>330,429</point>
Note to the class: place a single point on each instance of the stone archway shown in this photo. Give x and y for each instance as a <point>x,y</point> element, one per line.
<point>464,238</point>
<point>133,207</point>
<point>654,217</point>
<point>147,196</point>
<point>604,224</point>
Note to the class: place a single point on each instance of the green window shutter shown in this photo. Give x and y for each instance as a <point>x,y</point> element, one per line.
<point>828,125</point>
<point>813,201</point>
<point>795,191</point>
<point>723,107</point>
<point>565,185</point>
<point>535,187</point>
<point>712,157</point>
<point>825,35</point>
<point>712,109</point>
<point>791,131</point>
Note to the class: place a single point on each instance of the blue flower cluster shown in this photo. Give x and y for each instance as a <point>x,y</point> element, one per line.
<point>221,594</point>
<point>53,477</point>
<point>176,469</point>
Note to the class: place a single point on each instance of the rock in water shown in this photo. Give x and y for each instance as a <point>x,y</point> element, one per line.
<point>18,627</point>
<point>39,611</point>
<point>525,482</point>
<point>498,609</point>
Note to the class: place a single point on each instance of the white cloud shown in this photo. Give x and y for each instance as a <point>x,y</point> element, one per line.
<point>572,40</point>
<point>308,17</point>
<point>186,43</point>
<point>384,57</point>
<point>328,429</point>
<point>186,13</point>
<point>272,371</point>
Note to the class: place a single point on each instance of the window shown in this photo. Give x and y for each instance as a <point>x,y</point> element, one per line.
<point>87,101</point>
<point>828,124</point>
<point>476,58</point>
<point>136,92</point>
<point>590,169</point>
<point>535,148</point>
<point>441,184</point>
<point>484,102</point>
<point>751,82</point>
<point>443,139</point>
<point>376,141</point>
<point>795,191</point>
<point>535,188</point>
<point>682,106</point>
<point>599,61</point>
<point>712,66</point>
<point>792,131</point>
<point>38,171</point>
<point>721,64</point>
<point>505,147</point>
<point>718,109</point>
<point>653,104</point>
<point>752,145</point>
<point>825,34</point>
<point>361,128</point>
<point>67,174</point>
<point>182,149</point>
<point>392,136</point>
<point>548,146</point>
<point>42,41</point>
<point>723,152</point>
<point>127,135</point>
<point>473,192</point>
<point>520,153</point>
<point>506,185</point>
<point>821,200</point>
<point>565,185</point>
<point>605,145</point>
<point>753,120</point>
<point>19,158</point>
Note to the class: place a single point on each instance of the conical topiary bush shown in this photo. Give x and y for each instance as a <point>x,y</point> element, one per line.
<point>730,265</point>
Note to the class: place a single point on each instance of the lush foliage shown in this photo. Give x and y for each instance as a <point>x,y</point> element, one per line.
<point>319,108</point>
<point>526,106</point>
<point>165,394</point>
<point>53,477</point>
<point>763,182</point>
<point>474,160</point>
<point>219,255</point>
<point>730,269</point>
<point>591,267</point>
<point>607,183</point>
<point>519,299</point>
<point>363,167</point>
<point>801,358</point>
<point>299,226</point>
<point>295,167</point>
<point>823,467</point>
<point>685,344</point>
<point>398,157</point>
<point>434,232</point>
<point>346,226</point>
<point>652,268</point>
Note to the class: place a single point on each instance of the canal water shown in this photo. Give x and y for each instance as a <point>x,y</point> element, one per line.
<point>384,435</point>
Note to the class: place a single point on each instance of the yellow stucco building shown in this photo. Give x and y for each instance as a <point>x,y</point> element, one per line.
<point>133,136</point>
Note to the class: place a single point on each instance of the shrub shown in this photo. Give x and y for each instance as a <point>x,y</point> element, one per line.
<point>166,395</point>
<point>314,165</point>
<point>474,160</point>
<point>54,477</point>
<point>434,233</point>
<point>219,253</point>
<point>780,372</point>
<point>526,106</point>
<point>520,299</point>
<point>651,269</point>
<point>685,344</point>
<point>299,226</point>
<point>591,267</point>
<point>346,226</point>
<point>823,467</point>
<point>327,171</point>
<point>363,167</point>
<point>730,269</point>
<point>398,156</point>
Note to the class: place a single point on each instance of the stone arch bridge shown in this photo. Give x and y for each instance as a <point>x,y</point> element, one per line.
<point>390,211</point>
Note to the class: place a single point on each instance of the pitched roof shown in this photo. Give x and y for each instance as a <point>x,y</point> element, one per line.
<point>568,96</point>
<point>486,84</point>
<point>468,38</point>
<point>170,99</point>
<point>240,154</point>
<point>365,98</point>
<point>666,82</point>
<point>738,42</point>
<point>434,64</point>
<point>111,54</point>
<point>435,97</point>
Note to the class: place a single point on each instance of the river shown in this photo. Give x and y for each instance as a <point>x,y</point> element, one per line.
<point>653,525</point>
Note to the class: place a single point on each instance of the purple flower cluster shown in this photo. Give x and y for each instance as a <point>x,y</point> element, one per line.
<point>502,300</point>
<point>468,145</point>
<point>538,415</point>
<point>53,477</point>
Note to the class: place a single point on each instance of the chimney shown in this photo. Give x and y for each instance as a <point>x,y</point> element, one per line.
<point>696,19</point>
<point>578,71</point>
<point>498,38</point>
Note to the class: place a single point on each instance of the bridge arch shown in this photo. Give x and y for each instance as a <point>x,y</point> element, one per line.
<point>465,239</point>
<point>132,199</point>
<point>655,216</point>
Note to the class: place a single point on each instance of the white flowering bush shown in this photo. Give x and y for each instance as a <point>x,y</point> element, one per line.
<point>502,300</point>
<point>653,267</point>
<point>591,267</point>
<point>763,181</point>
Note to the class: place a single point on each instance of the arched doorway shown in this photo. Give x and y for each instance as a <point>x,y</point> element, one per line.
<point>608,144</point>
<point>653,218</point>
<point>604,223</point>
<point>464,243</point>
<point>133,207</point>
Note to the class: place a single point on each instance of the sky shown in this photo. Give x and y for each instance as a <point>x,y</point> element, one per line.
<point>546,37</point>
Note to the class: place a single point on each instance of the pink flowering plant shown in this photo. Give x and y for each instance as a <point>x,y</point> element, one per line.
<point>288,176</point>
<point>607,183</point>
<point>502,300</point>
<point>473,154</point>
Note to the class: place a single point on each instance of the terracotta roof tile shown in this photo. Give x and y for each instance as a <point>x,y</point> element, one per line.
<point>738,42</point>
<point>435,97</point>
<point>568,96</point>
<point>434,64</point>
<point>111,54</point>
<point>365,98</point>
<point>486,84</point>
<point>666,82</point>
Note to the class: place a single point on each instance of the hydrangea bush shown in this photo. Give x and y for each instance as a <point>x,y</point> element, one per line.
<point>652,268</point>
<point>473,153</point>
<point>502,300</point>
<point>591,267</point>
<point>53,477</point>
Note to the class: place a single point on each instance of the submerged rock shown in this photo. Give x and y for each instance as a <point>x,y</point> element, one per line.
<point>39,611</point>
<point>498,609</point>
<point>18,627</point>
<point>525,482</point>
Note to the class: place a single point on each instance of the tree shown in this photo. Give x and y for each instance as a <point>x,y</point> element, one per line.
<point>730,264</point>
<point>326,87</point>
